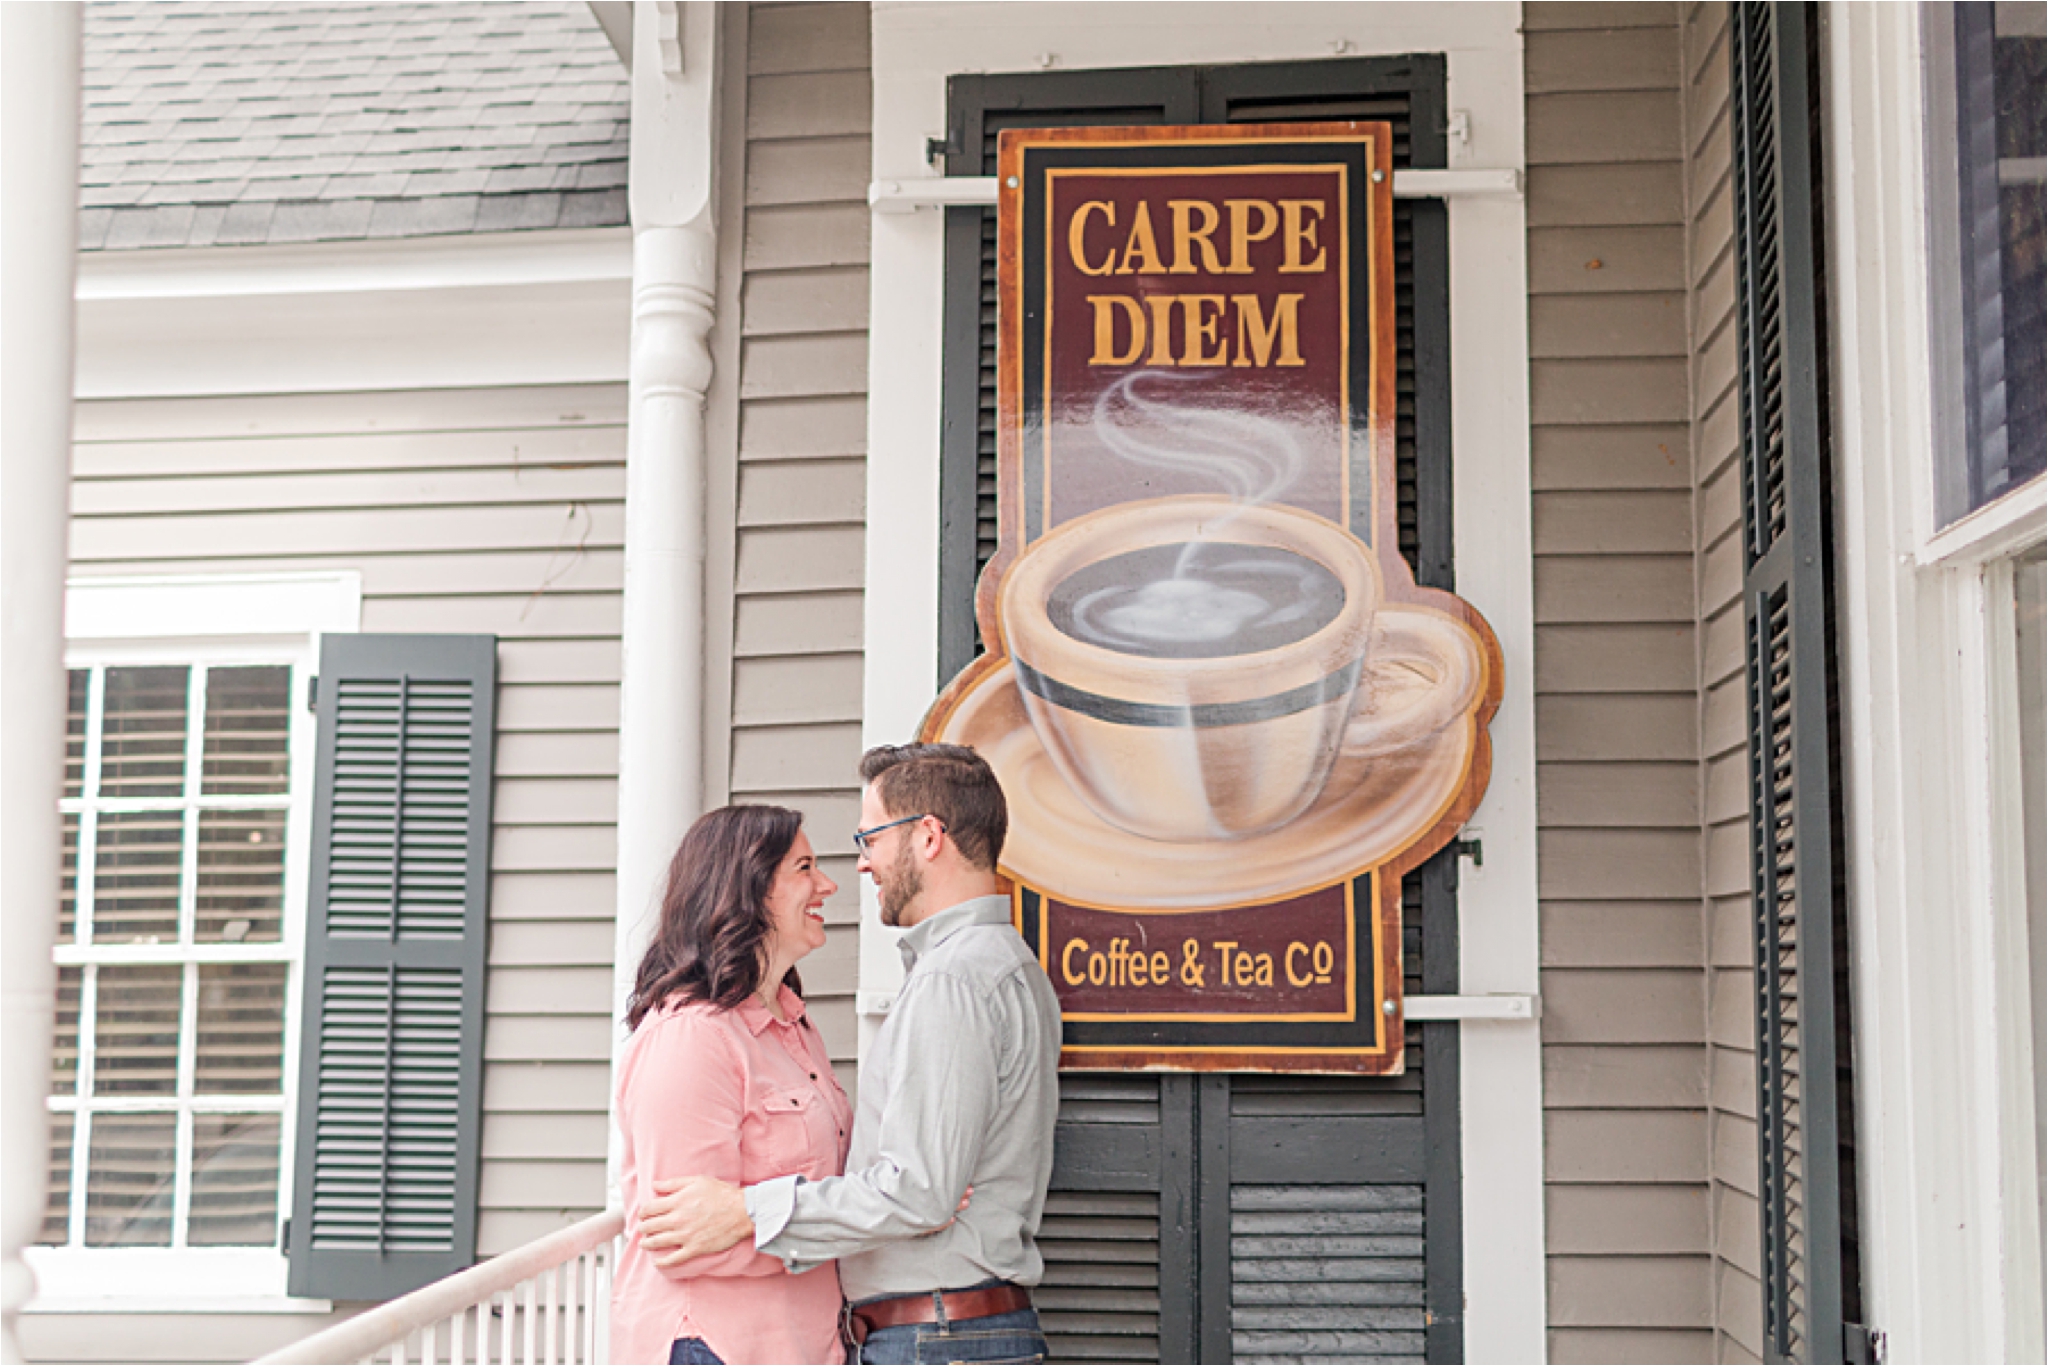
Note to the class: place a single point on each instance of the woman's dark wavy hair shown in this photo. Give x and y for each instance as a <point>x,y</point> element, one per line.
<point>714,912</point>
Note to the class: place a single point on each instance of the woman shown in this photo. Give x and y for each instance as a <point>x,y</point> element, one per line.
<point>726,1076</point>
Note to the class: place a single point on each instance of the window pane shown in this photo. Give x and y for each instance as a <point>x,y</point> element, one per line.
<point>135,1031</point>
<point>67,883</point>
<point>57,1204</point>
<point>142,746</point>
<point>135,877</point>
<point>64,1066</point>
<point>74,732</point>
<point>241,1029</point>
<point>241,877</point>
<point>234,1181</point>
<point>129,1180</point>
<point>2000,86</point>
<point>248,720</point>
<point>2022,84</point>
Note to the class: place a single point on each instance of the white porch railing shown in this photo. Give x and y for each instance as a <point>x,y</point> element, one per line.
<point>545,1304</point>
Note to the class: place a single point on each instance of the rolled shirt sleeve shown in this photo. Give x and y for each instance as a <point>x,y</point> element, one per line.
<point>769,1205</point>
<point>941,1046</point>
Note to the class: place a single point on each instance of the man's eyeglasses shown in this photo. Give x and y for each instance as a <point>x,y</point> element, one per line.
<point>863,840</point>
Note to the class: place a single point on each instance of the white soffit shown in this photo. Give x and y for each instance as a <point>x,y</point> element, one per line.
<point>482,309</point>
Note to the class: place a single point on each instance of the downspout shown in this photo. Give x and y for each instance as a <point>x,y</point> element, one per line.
<point>661,697</point>
<point>39,56</point>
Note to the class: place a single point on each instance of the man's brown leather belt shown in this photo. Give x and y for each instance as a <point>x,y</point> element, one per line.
<point>950,1305</point>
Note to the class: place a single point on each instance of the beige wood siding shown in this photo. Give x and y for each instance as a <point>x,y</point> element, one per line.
<point>476,510</point>
<point>799,501</point>
<point>1731,1035</point>
<point>1625,1011</point>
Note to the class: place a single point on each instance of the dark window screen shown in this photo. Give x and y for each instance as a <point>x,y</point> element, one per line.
<point>1988,136</point>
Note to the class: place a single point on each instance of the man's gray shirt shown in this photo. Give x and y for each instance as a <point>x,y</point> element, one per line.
<point>961,1089</point>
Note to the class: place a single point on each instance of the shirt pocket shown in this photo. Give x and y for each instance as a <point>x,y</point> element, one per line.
<point>787,1119</point>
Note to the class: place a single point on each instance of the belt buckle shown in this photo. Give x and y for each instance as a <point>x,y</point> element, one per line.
<point>852,1325</point>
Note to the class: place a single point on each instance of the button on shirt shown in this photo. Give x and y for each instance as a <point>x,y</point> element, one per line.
<point>961,1088</point>
<point>742,1096</point>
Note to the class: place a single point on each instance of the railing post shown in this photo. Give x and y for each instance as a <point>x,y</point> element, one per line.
<point>562,1278</point>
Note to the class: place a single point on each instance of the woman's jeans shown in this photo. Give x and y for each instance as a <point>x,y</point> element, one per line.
<point>994,1337</point>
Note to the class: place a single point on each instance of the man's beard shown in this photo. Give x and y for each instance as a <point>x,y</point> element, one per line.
<point>904,883</point>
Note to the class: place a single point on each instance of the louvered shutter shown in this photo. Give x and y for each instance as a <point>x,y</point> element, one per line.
<point>391,1059</point>
<point>1105,1232</point>
<point>1249,1218</point>
<point>1804,1129</point>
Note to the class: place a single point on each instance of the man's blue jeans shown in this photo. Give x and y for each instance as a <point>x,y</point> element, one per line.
<point>1014,1336</point>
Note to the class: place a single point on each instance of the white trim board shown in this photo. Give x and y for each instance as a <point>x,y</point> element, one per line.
<point>2000,528</point>
<point>499,258</point>
<point>488,309</point>
<point>916,47</point>
<point>232,1280</point>
<point>194,607</point>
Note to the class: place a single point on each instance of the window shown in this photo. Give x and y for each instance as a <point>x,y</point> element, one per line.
<point>1988,166</point>
<point>1986,73</point>
<point>186,807</point>
<point>173,961</point>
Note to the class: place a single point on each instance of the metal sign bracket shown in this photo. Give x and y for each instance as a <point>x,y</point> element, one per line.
<point>979,191</point>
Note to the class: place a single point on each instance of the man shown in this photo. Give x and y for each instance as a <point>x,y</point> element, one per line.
<point>960,1093</point>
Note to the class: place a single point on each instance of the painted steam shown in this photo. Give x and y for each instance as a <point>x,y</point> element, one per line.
<point>1217,591</point>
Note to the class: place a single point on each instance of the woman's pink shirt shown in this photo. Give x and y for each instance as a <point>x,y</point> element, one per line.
<point>744,1097</point>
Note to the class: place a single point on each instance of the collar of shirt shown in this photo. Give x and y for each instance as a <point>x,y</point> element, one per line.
<point>927,934</point>
<point>756,1018</point>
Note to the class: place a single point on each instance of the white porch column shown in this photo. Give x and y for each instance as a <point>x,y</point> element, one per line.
<point>661,706</point>
<point>38,244</point>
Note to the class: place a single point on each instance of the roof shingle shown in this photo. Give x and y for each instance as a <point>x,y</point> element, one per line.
<point>231,124</point>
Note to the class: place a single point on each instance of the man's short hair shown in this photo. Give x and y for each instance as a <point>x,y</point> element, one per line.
<point>951,782</point>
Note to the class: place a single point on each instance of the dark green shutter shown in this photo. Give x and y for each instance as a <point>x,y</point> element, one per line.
<point>391,1055</point>
<point>1219,1217</point>
<point>1804,1128</point>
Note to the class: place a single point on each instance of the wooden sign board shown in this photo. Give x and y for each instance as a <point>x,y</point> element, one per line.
<point>1226,718</point>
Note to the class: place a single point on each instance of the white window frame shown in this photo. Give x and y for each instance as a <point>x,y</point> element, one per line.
<point>215,620</point>
<point>1932,799</point>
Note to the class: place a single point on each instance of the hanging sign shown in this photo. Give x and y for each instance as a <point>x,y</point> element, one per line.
<point>1226,718</point>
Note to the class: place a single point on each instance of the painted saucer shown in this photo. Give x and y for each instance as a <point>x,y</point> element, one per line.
<point>1374,805</point>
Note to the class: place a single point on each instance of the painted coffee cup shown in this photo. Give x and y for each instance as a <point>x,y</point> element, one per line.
<point>1192,664</point>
